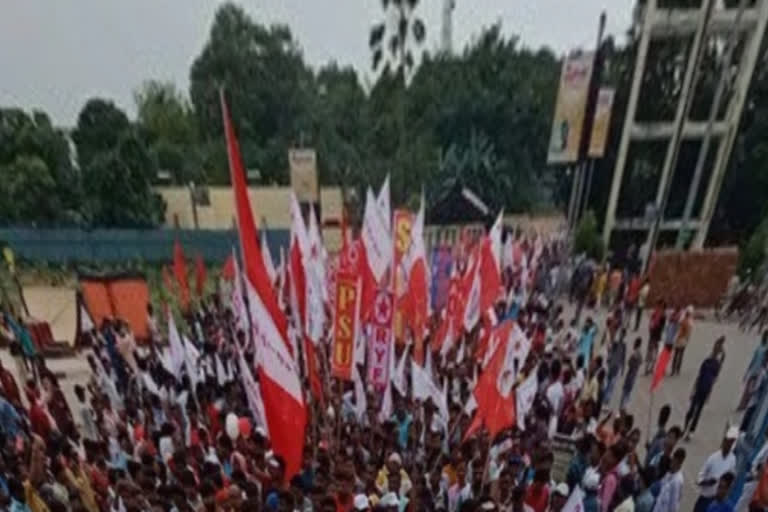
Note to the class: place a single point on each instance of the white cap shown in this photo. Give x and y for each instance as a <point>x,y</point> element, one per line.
<point>732,433</point>
<point>562,489</point>
<point>361,502</point>
<point>591,480</point>
<point>389,500</point>
<point>395,457</point>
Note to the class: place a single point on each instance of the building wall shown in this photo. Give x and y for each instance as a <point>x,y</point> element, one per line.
<point>270,205</point>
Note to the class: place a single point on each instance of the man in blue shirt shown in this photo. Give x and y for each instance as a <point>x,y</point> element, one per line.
<point>721,503</point>
<point>705,381</point>
<point>10,421</point>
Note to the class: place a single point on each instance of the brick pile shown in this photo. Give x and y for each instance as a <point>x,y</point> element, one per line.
<point>698,278</point>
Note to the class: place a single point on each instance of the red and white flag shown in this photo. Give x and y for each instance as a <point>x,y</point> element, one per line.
<point>490,267</point>
<point>268,263</point>
<point>278,374</point>
<point>416,270</point>
<point>660,370</point>
<point>377,238</point>
<point>494,393</point>
<point>180,271</point>
<point>383,203</point>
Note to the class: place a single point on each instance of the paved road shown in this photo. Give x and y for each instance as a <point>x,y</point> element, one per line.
<point>674,391</point>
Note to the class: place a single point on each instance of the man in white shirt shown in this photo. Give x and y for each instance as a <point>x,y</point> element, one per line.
<point>555,394</point>
<point>719,463</point>
<point>671,492</point>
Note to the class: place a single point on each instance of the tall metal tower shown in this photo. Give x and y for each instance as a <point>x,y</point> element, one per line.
<point>655,23</point>
<point>447,28</point>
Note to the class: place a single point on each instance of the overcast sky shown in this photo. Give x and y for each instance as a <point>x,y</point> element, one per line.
<point>55,54</point>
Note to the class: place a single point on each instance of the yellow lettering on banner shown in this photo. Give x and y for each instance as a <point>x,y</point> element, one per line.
<point>343,354</point>
<point>347,295</point>
<point>345,326</point>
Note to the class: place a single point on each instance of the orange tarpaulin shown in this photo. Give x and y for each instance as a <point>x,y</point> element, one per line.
<point>119,296</point>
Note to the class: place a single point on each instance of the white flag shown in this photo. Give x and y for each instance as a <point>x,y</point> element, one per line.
<point>383,203</point>
<point>526,392</point>
<point>177,349</point>
<point>399,378</point>
<point>253,394</point>
<point>361,404</point>
<point>377,238</point>
<point>86,323</point>
<point>191,360</point>
<point>460,353</point>
<point>575,501</point>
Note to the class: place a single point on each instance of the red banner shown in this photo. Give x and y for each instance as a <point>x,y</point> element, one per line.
<point>344,326</point>
<point>403,222</point>
<point>380,339</point>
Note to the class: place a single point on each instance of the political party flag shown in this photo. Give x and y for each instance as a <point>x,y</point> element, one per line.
<point>384,205</point>
<point>662,361</point>
<point>345,323</point>
<point>268,263</point>
<point>278,373</point>
<point>180,271</point>
<point>575,501</point>
<point>175,344</point>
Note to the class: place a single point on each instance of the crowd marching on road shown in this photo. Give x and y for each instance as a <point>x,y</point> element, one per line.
<point>489,398</point>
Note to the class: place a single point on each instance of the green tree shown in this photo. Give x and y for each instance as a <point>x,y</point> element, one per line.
<point>28,192</point>
<point>268,85</point>
<point>167,121</point>
<point>100,125</point>
<point>587,239</point>
<point>31,142</point>
<point>118,186</point>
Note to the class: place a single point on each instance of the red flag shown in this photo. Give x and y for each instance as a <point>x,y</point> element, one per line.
<point>494,392</point>
<point>417,290</point>
<point>228,270</point>
<point>278,373</point>
<point>315,384</point>
<point>180,271</point>
<point>661,367</point>
<point>200,275</point>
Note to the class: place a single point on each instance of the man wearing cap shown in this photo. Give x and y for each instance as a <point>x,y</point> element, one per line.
<point>361,502</point>
<point>719,463</point>
<point>393,466</point>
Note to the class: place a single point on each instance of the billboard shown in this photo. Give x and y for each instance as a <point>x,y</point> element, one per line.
<point>602,122</point>
<point>570,108</point>
<point>303,167</point>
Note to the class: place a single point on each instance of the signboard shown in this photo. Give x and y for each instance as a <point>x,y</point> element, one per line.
<point>344,326</point>
<point>602,122</point>
<point>441,262</point>
<point>380,339</point>
<point>570,108</point>
<point>303,168</point>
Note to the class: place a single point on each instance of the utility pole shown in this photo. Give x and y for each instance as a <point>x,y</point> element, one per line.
<point>581,180</point>
<point>446,36</point>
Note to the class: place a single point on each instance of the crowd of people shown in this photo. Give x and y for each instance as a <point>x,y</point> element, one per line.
<point>137,436</point>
